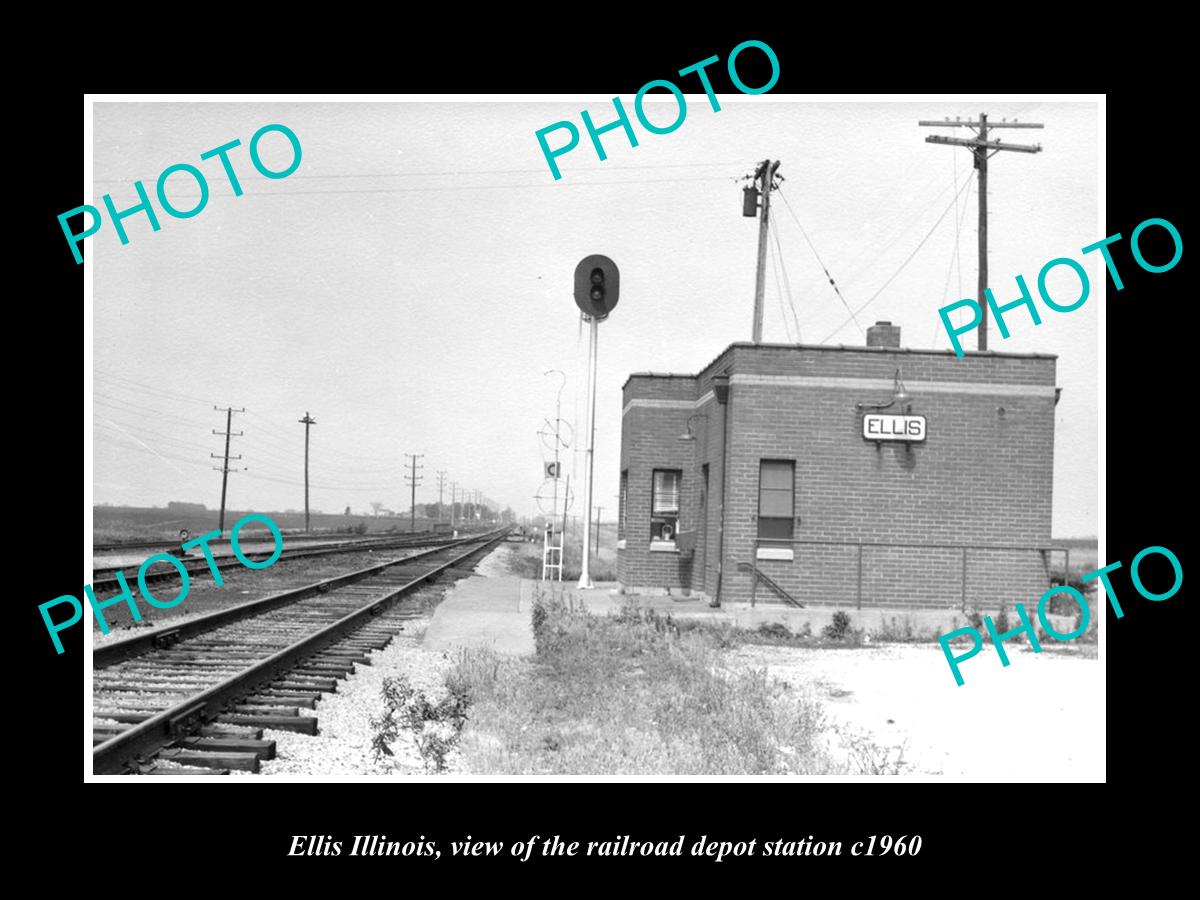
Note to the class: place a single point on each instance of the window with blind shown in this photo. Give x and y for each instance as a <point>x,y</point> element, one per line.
<point>776,498</point>
<point>664,504</point>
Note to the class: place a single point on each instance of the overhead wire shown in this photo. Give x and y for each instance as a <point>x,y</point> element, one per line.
<point>955,263</point>
<point>903,265</point>
<point>130,384</point>
<point>464,187</point>
<point>820,262</point>
<point>459,173</point>
<point>786,281</point>
<point>779,293</point>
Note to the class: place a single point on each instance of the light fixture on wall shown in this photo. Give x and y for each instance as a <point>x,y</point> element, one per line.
<point>900,396</point>
<point>690,434</point>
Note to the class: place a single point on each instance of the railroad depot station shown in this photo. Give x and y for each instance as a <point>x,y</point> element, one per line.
<point>841,477</point>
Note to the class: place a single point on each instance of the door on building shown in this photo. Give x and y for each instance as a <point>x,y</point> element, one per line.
<point>701,563</point>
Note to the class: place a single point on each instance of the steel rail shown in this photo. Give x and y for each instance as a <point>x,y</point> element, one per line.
<point>113,652</point>
<point>199,566</point>
<point>114,755</point>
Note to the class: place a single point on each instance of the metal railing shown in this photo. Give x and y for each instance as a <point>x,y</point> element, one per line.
<point>964,548</point>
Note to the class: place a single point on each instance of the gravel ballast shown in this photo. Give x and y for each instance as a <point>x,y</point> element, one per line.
<point>343,745</point>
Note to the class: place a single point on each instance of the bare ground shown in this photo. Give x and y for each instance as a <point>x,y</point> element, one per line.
<point>1042,718</point>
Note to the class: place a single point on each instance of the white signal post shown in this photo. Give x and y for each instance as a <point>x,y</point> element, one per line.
<point>585,577</point>
<point>597,285</point>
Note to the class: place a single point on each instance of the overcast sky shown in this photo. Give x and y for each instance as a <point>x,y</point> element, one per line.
<point>408,285</point>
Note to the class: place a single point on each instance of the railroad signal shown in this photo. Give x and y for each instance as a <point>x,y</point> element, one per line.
<point>553,470</point>
<point>597,286</point>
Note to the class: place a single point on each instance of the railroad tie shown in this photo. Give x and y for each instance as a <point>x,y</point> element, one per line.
<point>267,698</point>
<point>295,681</point>
<point>302,724</point>
<point>246,762</point>
<point>262,749</point>
<point>267,709</point>
<point>217,730</point>
<point>186,770</point>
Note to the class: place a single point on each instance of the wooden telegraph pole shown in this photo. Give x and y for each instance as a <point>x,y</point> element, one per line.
<point>982,150</point>
<point>413,479</point>
<point>306,422</point>
<point>765,176</point>
<point>224,469</point>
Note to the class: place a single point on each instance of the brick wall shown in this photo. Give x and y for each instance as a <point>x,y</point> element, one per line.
<point>981,477</point>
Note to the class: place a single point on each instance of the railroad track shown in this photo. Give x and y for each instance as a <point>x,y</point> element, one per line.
<point>199,694</point>
<point>104,578</point>
<point>262,534</point>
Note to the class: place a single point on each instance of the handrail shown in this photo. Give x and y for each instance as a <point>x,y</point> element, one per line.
<point>1042,549</point>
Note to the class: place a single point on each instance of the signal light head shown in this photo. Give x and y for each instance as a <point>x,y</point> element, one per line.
<point>597,285</point>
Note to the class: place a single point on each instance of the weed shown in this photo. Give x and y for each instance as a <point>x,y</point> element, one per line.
<point>435,727</point>
<point>635,692</point>
<point>839,629</point>
<point>774,629</point>
<point>868,758</point>
<point>896,630</point>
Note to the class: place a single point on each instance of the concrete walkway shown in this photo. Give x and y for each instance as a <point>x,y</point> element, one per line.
<point>483,612</point>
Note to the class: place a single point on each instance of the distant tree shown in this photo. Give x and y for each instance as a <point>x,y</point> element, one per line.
<point>347,512</point>
<point>376,506</point>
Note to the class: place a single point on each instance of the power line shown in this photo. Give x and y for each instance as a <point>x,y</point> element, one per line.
<point>465,187</point>
<point>903,265</point>
<point>820,262</point>
<point>955,264</point>
<point>779,293</point>
<point>456,174</point>
<point>136,408</point>
<point>774,229</point>
<point>910,219</point>
<point>146,387</point>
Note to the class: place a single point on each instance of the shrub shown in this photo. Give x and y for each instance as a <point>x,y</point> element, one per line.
<point>839,628</point>
<point>435,727</point>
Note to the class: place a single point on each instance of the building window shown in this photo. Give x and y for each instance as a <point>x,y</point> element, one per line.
<point>776,499</point>
<point>624,504</point>
<point>664,504</point>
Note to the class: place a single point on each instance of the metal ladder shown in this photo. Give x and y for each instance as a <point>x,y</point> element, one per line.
<point>551,551</point>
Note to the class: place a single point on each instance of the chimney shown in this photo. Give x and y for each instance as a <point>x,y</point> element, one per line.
<point>883,334</point>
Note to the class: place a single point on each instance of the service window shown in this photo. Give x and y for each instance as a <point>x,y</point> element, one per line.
<point>664,504</point>
<point>776,499</point>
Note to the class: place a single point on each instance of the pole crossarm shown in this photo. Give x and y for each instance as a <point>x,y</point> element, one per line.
<point>975,123</point>
<point>986,145</point>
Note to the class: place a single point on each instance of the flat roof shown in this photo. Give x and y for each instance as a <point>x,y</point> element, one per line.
<point>856,348</point>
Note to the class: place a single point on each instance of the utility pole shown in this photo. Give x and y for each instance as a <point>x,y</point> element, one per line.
<point>453,490</point>
<point>599,509</point>
<point>979,147</point>
<point>765,176</point>
<point>441,482</point>
<point>306,421</point>
<point>413,479</point>
<point>224,469</point>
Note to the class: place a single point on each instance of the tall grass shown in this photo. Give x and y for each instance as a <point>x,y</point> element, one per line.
<point>633,694</point>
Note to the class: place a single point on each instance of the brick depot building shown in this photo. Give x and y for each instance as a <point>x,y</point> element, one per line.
<point>851,477</point>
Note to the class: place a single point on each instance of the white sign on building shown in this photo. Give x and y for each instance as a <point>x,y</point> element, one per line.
<point>893,428</point>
